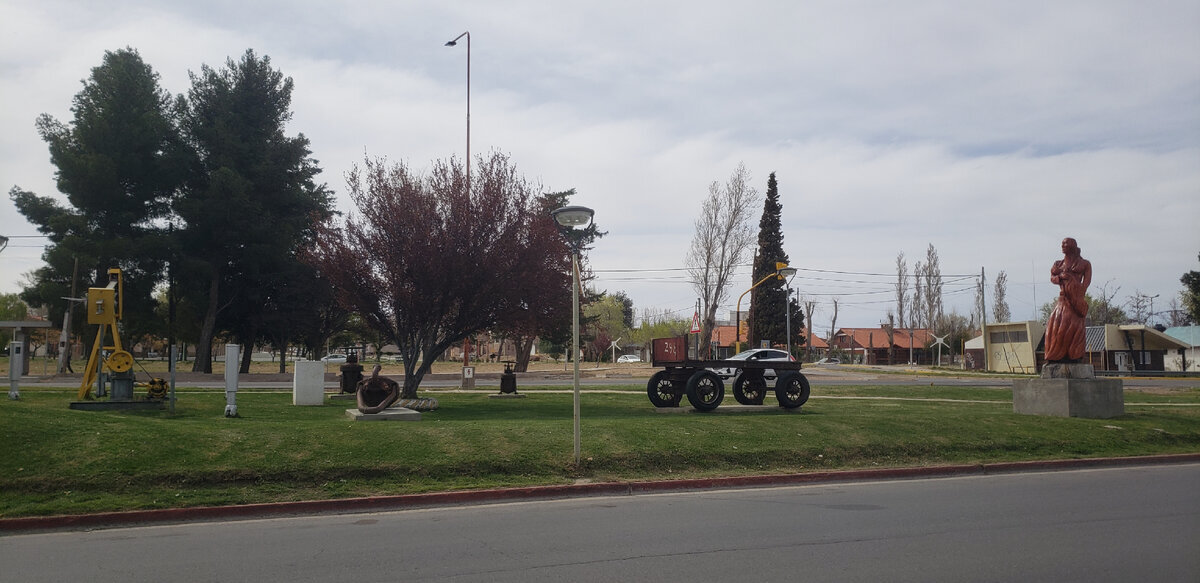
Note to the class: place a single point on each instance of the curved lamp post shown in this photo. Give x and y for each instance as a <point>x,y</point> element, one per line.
<point>780,268</point>
<point>451,43</point>
<point>570,217</point>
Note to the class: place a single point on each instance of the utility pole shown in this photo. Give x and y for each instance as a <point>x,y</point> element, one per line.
<point>982,300</point>
<point>64,344</point>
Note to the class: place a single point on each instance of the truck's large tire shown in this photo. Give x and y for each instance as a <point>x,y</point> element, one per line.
<point>705,391</point>
<point>792,390</point>
<point>661,390</point>
<point>750,388</point>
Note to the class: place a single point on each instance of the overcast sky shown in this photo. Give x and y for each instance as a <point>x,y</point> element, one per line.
<point>989,129</point>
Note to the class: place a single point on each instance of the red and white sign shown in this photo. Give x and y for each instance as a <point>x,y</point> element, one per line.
<point>695,323</point>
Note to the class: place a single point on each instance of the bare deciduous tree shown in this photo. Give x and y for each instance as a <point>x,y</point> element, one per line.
<point>833,324</point>
<point>890,330</point>
<point>809,308</point>
<point>979,307</point>
<point>901,290</point>
<point>933,288</point>
<point>916,306</point>
<point>1141,307</point>
<point>1176,315</point>
<point>724,239</point>
<point>1000,310</point>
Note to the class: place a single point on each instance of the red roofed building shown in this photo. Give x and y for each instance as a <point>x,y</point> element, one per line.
<point>724,338</point>
<point>871,346</point>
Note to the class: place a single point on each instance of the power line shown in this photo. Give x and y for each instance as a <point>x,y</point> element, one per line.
<point>814,270</point>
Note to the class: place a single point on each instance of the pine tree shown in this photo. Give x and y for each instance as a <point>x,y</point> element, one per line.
<point>253,198</point>
<point>769,301</point>
<point>118,164</point>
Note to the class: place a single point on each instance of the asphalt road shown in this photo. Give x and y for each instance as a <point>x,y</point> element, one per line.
<point>1113,524</point>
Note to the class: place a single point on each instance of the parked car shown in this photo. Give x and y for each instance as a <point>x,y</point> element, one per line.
<point>759,354</point>
<point>333,358</point>
<point>828,361</point>
<point>629,358</point>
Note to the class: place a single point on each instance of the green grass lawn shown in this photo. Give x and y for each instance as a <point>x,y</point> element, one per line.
<point>54,460</point>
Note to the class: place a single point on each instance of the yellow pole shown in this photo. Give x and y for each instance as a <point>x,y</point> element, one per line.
<point>737,343</point>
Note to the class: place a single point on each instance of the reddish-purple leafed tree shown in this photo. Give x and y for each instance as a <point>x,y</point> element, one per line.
<point>427,264</point>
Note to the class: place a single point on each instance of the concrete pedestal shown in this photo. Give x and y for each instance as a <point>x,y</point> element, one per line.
<point>308,385</point>
<point>1069,390</point>
<point>389,414</point>
<point>116,405</point>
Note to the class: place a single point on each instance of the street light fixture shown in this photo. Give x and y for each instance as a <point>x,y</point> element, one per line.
<point>451,43</point>
<point>780,267</point>
<point>570,217</point>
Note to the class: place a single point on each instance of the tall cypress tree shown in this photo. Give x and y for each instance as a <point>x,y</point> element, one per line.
<point>768,301</point>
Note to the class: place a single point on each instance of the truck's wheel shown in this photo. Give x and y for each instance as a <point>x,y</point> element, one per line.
<point>661,390</point>
<point>705,391</point>
<point>791,390</point>
<point>750,389</point>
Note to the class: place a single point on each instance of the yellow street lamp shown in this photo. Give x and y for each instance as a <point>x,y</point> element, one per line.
<point>782,271</point>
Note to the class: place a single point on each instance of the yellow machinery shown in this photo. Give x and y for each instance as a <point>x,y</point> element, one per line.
<point>104,310</point>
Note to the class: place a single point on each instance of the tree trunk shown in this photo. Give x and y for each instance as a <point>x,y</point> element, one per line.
<point>203,361</point>
<point>707,325</point>
<point>524,347</point>
<point>283,358</point>
<point>809,308</point>
<point>245,364</point>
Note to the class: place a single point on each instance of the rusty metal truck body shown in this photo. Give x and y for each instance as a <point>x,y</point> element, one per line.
<point>682,376</point>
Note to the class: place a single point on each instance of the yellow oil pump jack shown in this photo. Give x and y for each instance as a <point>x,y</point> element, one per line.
<point>104,310</point>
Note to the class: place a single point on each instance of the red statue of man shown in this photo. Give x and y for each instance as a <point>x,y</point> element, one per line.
<point>1066,330</point>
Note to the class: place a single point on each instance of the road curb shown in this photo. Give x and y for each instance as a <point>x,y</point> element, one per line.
<point>26,525</point>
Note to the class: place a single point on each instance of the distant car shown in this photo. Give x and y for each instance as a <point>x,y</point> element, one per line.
<point>629,358</point>
<point>759,354</point>
<point>828,361</point>
<point>334,358</point>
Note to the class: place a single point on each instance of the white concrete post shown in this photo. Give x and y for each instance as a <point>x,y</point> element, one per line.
<point>231,379</point>
<point>15,361</point>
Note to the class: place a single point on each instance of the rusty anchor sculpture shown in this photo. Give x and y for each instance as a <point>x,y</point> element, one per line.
<point>377,393</point>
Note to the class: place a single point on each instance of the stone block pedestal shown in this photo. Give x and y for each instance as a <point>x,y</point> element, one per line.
<point>389,414</point>
<point>1069,390</point>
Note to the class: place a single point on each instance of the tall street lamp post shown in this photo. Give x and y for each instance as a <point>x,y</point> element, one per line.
<point>570,217</point>
<point>451,43</point>
<point>788,273</point>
